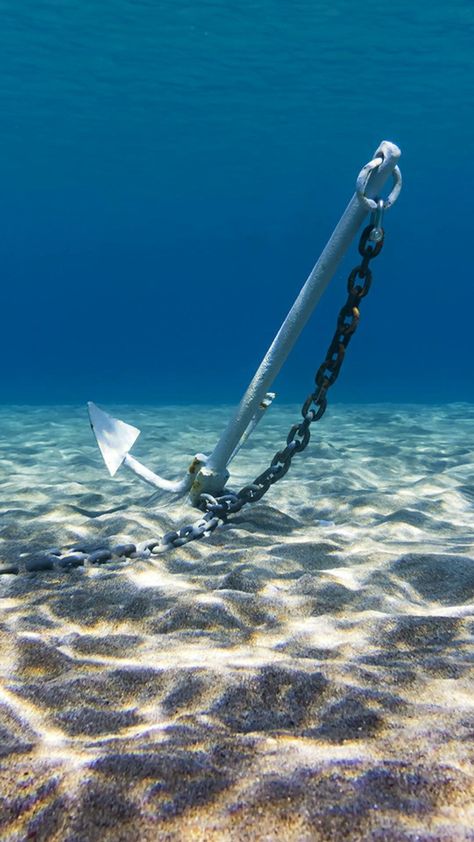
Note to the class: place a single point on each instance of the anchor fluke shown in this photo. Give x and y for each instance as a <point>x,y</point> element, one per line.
<point>114,437</point>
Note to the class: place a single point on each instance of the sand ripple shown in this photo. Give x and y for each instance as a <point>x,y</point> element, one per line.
<point>306,673</point>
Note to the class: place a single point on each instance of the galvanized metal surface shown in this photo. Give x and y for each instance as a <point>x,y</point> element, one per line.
<point>213,476</point>
<point>217,509</point>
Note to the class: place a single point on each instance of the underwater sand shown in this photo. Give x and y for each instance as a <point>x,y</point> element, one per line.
<point>303,674</point>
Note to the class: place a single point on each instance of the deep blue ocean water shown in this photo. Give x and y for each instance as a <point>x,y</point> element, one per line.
<point>170,172</point>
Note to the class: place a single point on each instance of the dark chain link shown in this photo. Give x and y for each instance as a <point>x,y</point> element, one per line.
<point>218,509</point>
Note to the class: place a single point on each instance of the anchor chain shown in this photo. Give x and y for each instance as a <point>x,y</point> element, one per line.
<point>218,509</point>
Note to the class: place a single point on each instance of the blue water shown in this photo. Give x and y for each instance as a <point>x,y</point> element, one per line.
<point>171,170</point>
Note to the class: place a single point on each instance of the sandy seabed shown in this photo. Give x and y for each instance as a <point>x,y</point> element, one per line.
<point>305,673</point>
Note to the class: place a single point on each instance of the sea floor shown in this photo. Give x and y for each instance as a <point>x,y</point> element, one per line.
<point>305,673</point>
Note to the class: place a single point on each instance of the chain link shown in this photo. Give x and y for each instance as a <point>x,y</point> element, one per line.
<point>217,509</point>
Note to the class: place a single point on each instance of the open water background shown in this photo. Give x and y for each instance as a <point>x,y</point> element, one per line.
<point>171,170</point>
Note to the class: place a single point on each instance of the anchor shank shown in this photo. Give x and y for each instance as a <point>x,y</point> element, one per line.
<point>319,278</point>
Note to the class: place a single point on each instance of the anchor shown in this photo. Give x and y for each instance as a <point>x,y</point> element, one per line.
<point>207,476</point>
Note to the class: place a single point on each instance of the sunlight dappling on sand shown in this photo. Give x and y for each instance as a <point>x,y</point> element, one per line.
<point>314,651</point>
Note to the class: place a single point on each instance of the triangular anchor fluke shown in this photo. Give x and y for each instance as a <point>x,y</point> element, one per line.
<point>114,437</point>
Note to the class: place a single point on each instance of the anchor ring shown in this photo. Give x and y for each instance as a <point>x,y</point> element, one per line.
<point>363,178</point>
